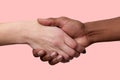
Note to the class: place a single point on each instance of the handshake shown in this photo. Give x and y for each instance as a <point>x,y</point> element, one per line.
<point>59,39</point>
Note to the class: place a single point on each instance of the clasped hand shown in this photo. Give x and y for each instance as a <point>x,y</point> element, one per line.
<point>61,43</point>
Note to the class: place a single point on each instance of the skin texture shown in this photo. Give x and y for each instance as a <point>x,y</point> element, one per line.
<point>87,33</point>
<point>51,39</point>
<point>51,43</point>
<point>73,28</point>
<point>103,30</point>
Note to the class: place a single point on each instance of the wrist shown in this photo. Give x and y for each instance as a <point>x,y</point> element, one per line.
<point>16,32</point>
<point>31,31</point>
<point>92,32</point>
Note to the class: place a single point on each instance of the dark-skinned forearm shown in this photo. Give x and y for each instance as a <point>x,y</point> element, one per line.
<point>103,30</point>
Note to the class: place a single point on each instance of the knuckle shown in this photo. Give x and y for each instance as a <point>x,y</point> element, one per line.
<point>52,63</point>
<point>35,51</point>
<point>66,58</point>
<point>52,21</point>
<point>56,43</point>
<point>65,61</point>
<point>77,55</point>
<point>43,59</point>
<point>54,55</point>
<point>72,53</point>
<point>35,55</point>
<point>74,44</point>
<point>60,58</point>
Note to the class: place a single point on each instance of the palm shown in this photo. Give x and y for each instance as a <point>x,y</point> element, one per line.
<point>76,30</point>
<point>73,28</point>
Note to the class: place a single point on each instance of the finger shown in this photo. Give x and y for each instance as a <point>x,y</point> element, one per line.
<point>65,56</point>
<point>56,60</point>
<point>65,61</point>
<point>69,41</point>
<point>69,51</point>
<point>46,57</point>
<point>54,55</point>
<point>35,51</point>
<point>80,49</point>
<point>38,52</point>
<point>77,55</point>
<point>71,45</point>
<point>41,53</point>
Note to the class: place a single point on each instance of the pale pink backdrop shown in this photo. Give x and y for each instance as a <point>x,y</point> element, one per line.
<point>102,61</point>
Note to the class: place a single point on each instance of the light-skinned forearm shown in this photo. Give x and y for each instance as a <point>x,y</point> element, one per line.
<point>14,32</point>
<point>103,30</point>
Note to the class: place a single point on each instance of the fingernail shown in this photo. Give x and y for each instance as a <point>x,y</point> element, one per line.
<point>59,58</point>
<point>53,62</point>
<point>41,53</point>
<point>46,58</point>
<point>53,54</point>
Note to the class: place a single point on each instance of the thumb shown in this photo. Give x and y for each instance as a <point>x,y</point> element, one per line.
<point>48,22</point>
<point>44,22</point>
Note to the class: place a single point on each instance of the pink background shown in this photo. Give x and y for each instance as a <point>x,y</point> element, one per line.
<point>102,61</point>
